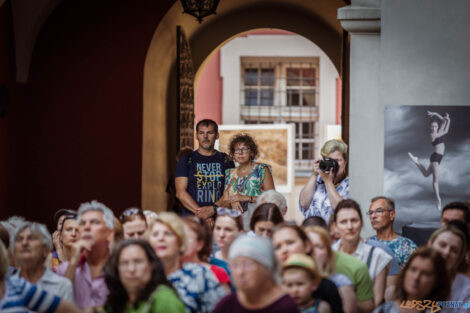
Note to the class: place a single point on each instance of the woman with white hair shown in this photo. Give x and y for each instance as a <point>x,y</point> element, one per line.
<point>31,243</point>
<point>275,197</point>
<point>254,270</point>
<point>19,295</point>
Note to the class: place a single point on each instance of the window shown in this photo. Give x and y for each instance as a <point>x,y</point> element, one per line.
<point>283,90</point>
<point>259,86</point>
<point>300,86</point>
<point>304,140</point>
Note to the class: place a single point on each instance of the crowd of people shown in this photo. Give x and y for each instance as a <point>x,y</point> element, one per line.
<point>230,249</point>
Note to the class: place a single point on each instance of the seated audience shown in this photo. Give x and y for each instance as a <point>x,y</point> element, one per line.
<point>133,223</point>
<point>150,216</point>
<point>451,243</point>
<point>314,221</point>
<point>264,218</point>
<point>19,295</point>
<point>136,281</point>
<point>382,214</point>
<point>89,254</point>
<point>300,279</point>
<point>196,285</point>
<point>325,189</point>
<point>31,244</point>
<point>68,234</point>
<point>254,270</point>
<point>348,220</point>
<point>10,225</point>
<point>422,278</point>
<point>199,248</point>
<point>288,239</point>
<point>456,211</point>
<point>275,197</point>
<point>59,217</point>
<point>228,225</point>
<point>349,274</point>
<point>5,238</point>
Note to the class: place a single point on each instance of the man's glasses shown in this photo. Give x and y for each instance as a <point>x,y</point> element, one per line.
<point>230,212</point>
<point>241,150</point>
<point>379,211</point>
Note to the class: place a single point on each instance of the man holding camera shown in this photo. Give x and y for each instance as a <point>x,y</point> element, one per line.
<point>328,184</point>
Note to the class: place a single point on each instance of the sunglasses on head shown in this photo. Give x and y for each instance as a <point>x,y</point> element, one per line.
<point>67,217</point>
<point>230,212</point>
<point>130,212</point>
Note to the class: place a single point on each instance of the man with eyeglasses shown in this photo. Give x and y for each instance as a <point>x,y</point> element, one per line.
<point>200,176</point>
<point>382,214</point>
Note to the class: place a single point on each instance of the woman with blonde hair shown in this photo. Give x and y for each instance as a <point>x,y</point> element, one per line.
<point>289,238</point>
<point>195,284</point>
<point>325,258</point>
<point>326,186</point>
<point>451,243</point>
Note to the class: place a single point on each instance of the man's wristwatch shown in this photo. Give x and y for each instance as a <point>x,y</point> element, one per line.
<point>215,206</point>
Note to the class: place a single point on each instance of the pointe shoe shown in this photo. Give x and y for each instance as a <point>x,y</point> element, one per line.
<point>413,158</point>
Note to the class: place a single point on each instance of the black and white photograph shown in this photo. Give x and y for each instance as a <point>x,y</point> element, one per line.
<point>426,163</point>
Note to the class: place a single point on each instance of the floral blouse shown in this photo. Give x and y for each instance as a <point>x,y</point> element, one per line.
<point>197,287</point>
<point>249,185</point>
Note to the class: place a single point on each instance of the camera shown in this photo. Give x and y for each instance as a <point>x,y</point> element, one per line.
<point>328,164</point>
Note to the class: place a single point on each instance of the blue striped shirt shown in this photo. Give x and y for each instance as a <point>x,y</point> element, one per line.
<point>22,297</point>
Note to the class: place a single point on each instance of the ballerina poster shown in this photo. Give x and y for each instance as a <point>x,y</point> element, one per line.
<point>427,161</point>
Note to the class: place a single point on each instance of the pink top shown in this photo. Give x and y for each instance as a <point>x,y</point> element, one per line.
<point>88,292</point>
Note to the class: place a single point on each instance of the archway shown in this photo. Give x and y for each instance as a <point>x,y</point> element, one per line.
<point>315,21</point>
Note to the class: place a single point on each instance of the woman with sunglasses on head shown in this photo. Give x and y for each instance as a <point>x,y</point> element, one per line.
<point>133,223</point>
<point>199,248</point>
<point>248,180</point>
<point>196,285</point>
<point>424,278</point>
<point>68,234</point>
<point>288,238</point>
<point>136,281</point>
<point>228,225</point>
<point>451,243</point>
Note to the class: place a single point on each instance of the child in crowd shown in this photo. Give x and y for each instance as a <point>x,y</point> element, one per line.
<point>300,278</point>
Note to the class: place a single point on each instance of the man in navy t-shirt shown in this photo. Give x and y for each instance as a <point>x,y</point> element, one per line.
<point>200,176</point>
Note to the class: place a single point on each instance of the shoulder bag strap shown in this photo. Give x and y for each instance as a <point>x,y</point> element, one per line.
<point>369,257</point>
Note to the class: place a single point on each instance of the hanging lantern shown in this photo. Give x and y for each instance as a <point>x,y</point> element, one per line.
<point>200,8</point>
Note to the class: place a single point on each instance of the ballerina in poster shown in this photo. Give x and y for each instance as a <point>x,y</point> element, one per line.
<point>439,128</point>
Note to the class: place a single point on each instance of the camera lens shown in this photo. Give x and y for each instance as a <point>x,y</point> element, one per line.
<point>323,166</point>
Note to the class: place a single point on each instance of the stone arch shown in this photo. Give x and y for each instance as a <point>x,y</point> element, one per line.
<point>317,22</point>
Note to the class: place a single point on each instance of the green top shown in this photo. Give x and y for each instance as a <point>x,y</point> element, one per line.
<point>358,272</point>
<point>164,300</point>
<point>249,185</point>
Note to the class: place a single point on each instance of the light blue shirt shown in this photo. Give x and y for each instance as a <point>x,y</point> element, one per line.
<point>321,205</point>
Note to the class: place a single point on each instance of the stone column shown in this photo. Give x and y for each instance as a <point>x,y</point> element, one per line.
<point>366,155</point>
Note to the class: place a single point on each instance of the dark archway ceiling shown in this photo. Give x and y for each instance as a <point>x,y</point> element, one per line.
<point>30,16</point>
